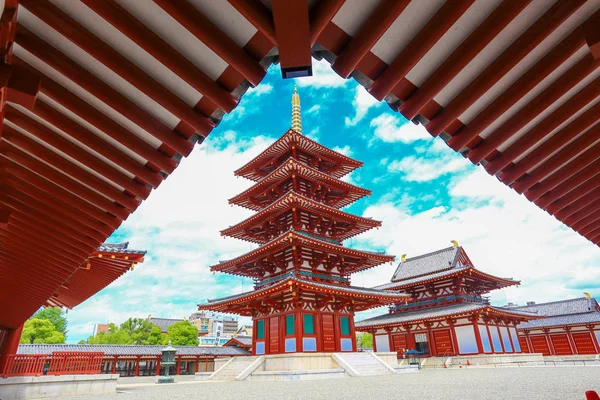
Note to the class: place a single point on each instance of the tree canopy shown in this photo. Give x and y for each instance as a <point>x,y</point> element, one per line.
<point>41,331</point>
<point>132,331</point>
<point>182,333</point>
<point>56,315</point>
<point>364,340</point>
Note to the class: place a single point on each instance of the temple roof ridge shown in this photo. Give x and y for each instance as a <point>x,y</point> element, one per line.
<point>425,264</point>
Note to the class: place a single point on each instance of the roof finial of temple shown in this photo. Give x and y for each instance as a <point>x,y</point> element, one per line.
<point>296,116</point>
<point>454,243</point>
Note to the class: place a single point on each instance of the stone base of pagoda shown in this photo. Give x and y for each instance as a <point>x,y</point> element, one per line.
<point>305,366</point>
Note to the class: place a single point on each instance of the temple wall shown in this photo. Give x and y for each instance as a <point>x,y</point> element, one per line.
<point>560,341</point>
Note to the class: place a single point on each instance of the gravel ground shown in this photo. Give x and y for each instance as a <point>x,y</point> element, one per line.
<point>549,383</point>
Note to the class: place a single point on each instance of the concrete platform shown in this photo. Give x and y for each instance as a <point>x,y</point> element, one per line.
<point>39,387</point>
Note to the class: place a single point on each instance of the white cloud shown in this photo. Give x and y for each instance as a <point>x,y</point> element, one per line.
<point>346,150</point>
<point>323,77</point>
<point>362,102</point>
<point>503,233</point>
<point>263,88</point>
<point>390,128</point>
<point>422,169</point>
<point>314,109</point>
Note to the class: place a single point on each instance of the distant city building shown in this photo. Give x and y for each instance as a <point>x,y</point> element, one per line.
<point>208,323</point>
<point>99,328</point>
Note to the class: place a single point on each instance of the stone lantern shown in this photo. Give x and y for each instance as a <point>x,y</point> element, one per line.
<point>168,359</point>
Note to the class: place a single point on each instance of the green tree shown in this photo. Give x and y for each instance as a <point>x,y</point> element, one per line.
<point>114,335</point>
<point>139,330</point>
<point>41,331</point>
<point>132,331</point>
<point>182,333</point>
<point>56,315</point>
<point>364,340</point>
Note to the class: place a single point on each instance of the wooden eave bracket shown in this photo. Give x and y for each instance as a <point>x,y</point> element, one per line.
<point>4,217</point>
<point>22,87</point>
<point>591,32</point>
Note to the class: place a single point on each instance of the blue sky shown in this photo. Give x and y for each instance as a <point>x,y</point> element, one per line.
<point>425,194</point>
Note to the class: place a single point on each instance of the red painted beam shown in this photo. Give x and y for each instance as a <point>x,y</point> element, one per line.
<point>321,14</point>
<point>18,157</point>
<point>539,104</point>
<point>370,32</point>
<point>590,227</point>
<point>557,141</point>
<point>579,220</point>
<point>76,33</point>
<point>101,121</point>
<point>292,32</point>
<point>465,52</point>
<point>576,180</point>
<point>433,30</point>
<point>574,195</point>
<point>591,30</point>
<point>594,236</point>
<point>258,15</point>
<point>104,92</point>
<point>550,62</point>
<point>209,34</point>
<point>541,188</point>
<point>518,50</point>
<point>144,37</point>
<point>22,87</point>
<point>588,199</point>
<point>560,158</point>
<point>74,151</point>
<point>4,217</point>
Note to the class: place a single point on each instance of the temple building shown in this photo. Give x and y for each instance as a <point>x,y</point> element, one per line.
<point>570,327</point>
<point>302,300</point>
<point>449,314</point>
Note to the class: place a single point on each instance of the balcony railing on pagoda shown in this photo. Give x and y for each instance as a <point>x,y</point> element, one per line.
<point>58,363</point>
<point>317,277</point>
<point>438,302</point>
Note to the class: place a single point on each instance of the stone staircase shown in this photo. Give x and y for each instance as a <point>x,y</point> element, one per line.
<point>362,364</point>
<point>233,368</point>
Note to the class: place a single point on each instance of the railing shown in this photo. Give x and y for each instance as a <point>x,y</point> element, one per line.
<point>438,301</point>
<point>302,273</point>
<point>24,365</point>
<point>58,363</point>
<point>69,363</point>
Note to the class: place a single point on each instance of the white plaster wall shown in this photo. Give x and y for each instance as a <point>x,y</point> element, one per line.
<point>382,342</point>
<point>485,339</point>
<point>466,339</point>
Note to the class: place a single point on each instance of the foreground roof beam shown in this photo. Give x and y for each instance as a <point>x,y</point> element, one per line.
<point>577,164</point>
<point>550,62</point>
<point>575,181</point>
<point>292,31</point>
<point>427,37</point>
<point>518,50</point>
<point>103,200</point>
<point>582,144</point>
<point>466,51</point>
<point>121,19</point>
<point>209,34</point>
<point>101,121</point>
<point>320,15</point>
<point>540,103</point>
<point>370,32</point>
<point>590,198</point>
<point>591,228</point>
<point>104,92</point>
<point>21,241</point>
<point>579,219</point>
<point>540,153</point>
<point>74,151</point>
<point>591,30</point>
<point>574,195</point>
<point>258,15</point>
<point>4,217</point>
<point>76,33</point>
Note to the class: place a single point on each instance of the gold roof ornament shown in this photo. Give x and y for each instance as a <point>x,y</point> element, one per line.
<point>296,115</point>
<point>587,295</point>
<point>454,243</point>
<point>403,257</point>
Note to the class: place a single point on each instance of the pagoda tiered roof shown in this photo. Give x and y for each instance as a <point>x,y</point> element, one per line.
<point>442,265</point>
<point>265,192</point>
<point>353,260</point>
<point>348,224</point>
<point>338,163</point>
<point>437,313</point>
<point>361,298</point>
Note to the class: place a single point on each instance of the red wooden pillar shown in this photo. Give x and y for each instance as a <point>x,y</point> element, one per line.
<point>337,332</point>
<point>114,367</point>
<point>388,331</point>
<point>197,364</point>
<point>477,334</point>
<point>528,341</point>
<point>318,329</point>
<point>137,366</point>
<point>570,339</point>
<point>353,332</point>
<point>374,341</point>
<point>550,345</point>
<point>178,364</point>
<point>500,336</point>
<point>453,337</point>
<point>432,349</point>
<point>594,339</point>
<point>254,335</point>
<point>512,345</point>
<point>298,330</point>
<point>11,346</point>
<point>157,366</point>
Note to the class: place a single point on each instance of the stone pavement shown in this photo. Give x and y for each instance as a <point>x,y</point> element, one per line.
<point>527,383</point>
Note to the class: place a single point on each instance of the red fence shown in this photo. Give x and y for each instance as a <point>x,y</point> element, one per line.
<point>59,363</point>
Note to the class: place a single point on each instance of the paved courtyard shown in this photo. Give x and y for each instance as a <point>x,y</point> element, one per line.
<point>550,383</point>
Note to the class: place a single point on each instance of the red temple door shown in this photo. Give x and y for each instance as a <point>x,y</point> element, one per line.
<point>443,342</point>
<point>540,345</point>
<point>523,344</point>
<point>583,342</point>
<point>561,344</point>
<point>400,344</point>
<point>328,333</point>
<point>273,335</point>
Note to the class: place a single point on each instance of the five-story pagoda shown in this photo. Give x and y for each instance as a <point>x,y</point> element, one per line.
<point>302,300</point>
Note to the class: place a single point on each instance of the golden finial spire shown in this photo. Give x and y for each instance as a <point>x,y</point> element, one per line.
<point>296,116</point>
